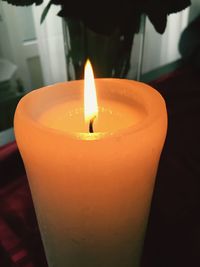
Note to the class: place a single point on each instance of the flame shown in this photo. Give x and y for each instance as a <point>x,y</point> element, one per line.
<point>90,98</point>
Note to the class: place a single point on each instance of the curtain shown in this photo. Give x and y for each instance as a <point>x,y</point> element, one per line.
<point>160,50</point>
<point>50,44</point>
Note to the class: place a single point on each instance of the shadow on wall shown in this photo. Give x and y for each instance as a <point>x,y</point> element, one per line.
<point>189,45</point>
<point>194,10</point>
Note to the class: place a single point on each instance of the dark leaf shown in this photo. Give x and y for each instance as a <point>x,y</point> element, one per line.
<point>24,2</point>
<point>106,16</point>
<point>45,12</point>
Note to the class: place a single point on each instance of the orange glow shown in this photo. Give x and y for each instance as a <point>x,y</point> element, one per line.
<point>90,98</point>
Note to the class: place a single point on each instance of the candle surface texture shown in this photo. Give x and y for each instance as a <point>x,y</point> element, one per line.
<point>92,191</point>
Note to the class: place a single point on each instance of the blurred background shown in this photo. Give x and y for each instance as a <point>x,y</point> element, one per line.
<point>32,54</point>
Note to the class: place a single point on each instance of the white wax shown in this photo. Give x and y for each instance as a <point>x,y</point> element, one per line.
<point>113,116</point>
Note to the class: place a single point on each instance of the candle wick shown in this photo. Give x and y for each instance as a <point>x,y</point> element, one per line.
<point>91,130</point>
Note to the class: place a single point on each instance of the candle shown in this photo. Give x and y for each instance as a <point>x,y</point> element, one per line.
<point>92,191</point>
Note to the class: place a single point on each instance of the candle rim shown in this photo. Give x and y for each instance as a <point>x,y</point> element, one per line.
<point>147,121</point>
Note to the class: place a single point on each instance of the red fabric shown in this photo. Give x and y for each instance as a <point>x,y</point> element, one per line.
<point>20,243</point>
<point>7,150</point>
<point>11,165</point>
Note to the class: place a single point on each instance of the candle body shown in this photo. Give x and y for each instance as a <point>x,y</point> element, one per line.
<point>92,197</point>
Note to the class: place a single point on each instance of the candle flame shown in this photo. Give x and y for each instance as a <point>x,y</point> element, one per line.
<point>90,98</point>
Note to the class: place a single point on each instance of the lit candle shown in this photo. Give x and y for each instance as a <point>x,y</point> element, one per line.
<point>90,98</point>
<point>92,191</point>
